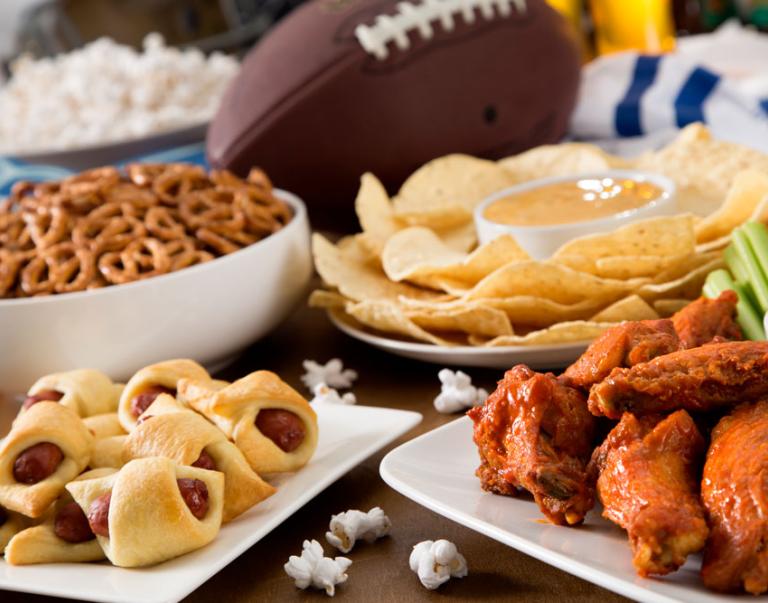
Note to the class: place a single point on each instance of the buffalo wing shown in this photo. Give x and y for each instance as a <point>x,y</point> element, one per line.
<point>704,378</point>
<point>648,484</point>
<point>535,433</point>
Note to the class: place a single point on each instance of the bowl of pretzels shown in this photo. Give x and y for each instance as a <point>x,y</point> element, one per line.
<point>114,268</point>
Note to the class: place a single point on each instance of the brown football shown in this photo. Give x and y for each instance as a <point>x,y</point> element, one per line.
<point>341,87</point>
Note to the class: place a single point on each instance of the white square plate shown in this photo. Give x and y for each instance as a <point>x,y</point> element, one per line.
<point>348,435</point>
<point>437,470</point>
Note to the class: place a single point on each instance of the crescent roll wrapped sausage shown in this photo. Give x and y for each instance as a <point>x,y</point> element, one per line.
<point>152,510</point>
<point>170,430</point>
<point>64,537</point>
<point>48,446</point>
<point>150,382</point>
<point>105,425</point>
<point>87,392</point>
<point>269,421</point>
<point>108,452</point>
<point>10,524</point>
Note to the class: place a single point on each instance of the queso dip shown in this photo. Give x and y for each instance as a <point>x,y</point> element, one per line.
<point>572,201</point>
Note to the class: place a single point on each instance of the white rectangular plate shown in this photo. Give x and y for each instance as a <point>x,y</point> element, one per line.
<point>348,435</point>
<point>437,470</point>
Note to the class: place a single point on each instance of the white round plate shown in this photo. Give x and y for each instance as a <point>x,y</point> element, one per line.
<point>116,152</point>
<point>537,357</point>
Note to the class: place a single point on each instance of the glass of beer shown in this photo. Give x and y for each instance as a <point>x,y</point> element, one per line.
<point>643,25</point>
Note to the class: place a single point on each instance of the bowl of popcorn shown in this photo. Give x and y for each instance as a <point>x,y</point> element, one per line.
<point>113,269</point>
<point>106,102</point>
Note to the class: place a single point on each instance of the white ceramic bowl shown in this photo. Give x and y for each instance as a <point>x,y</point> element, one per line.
<point>207,312</point>
<point>542,241</point>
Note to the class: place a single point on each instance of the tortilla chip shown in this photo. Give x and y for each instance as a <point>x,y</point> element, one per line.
<point>444,192</point>
<point>747,193</point>
<point>374,211</point>
<point>687,286</point>
<point>703,168</point>
<point>348,268</point>
<point>667,307</point>
<point>418,255</point>
<point>387,317</point>
<point>559,160</point>
<point>320,298</point>
<point>475,319</point>
<point>524,310</point>
<point>657,237</point>
<point>561,333</point>
<point>551,281</point>
<point>632,307</point>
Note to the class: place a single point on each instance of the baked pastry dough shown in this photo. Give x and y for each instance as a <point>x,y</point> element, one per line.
<point>148,519</point>
<point>40,544</point>
<point>170,430</point>
<point>87,392</point>
<point>108,452</point>
<point>44,423</point>
<point>105,425</point>
<point>12,523</point>
<point>164,374</point>
<point>235,410</point>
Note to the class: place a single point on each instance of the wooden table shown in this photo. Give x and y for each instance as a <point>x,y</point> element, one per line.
<point>380,572</point>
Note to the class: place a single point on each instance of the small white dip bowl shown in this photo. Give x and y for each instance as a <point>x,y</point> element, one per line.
<point>542,241</point>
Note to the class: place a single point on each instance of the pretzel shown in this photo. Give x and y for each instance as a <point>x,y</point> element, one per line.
<point>112,227</point>
<point>142,258</point>
<point>161,224</point>
<point>62,268</point>
<point>177,181</point>
<point>47,226</point>
<point>101,228</point>
<point>184,253</point>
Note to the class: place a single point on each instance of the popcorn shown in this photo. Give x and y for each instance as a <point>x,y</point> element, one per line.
<point>328,395</point>
<point>332,374</point>
<point>437,562</point>
<point>313,569</point>
<point>457,392</point>
<point>353,525</point>
<point>106,92</point>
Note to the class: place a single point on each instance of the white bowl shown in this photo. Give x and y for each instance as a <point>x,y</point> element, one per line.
<point>207,312</point>
<point>542,241</point>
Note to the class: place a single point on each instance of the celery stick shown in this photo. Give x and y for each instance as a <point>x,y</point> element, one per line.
<point>735,265</point>
<point>756,277</point>
<point>757,235</point>
<point>748,317</point>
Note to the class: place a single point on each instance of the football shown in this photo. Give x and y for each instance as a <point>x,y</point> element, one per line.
<point>341,87</point>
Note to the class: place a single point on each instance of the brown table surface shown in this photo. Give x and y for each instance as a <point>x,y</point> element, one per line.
<point>380,571</point>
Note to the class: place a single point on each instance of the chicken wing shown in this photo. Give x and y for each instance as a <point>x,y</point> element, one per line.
<point>535,433</point>
<point>735,494</point>
<point>711,376</point>
<point>648,484</point>
<point>630,343</point>
<point>705,320</point>
<point>624,345</point>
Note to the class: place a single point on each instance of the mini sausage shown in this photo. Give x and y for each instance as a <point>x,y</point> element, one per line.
<point>98,515</point>
<point>3,516</point>
<point>205,461</point>
<point>47,395</point>
<point>195,494</point>
<point>37,462</point>
<point>71,524</point>
<point>141,402</point>
<point>283,427</point>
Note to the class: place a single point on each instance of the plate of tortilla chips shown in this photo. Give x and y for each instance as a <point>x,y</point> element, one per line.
<point>416,283</point>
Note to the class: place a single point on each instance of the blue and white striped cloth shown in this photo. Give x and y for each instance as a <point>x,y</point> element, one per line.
<point>629,95</point>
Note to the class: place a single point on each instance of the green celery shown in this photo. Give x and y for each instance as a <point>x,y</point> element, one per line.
<point>757,279</point>
<point>748,317</point>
